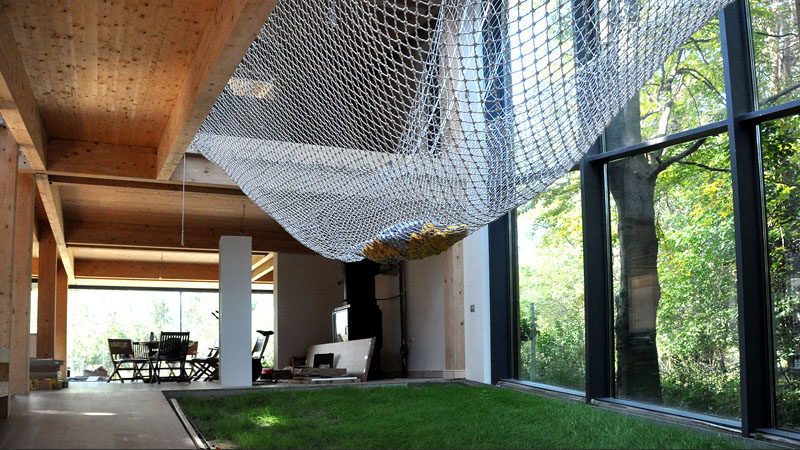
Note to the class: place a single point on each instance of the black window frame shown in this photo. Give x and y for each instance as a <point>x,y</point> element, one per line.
<point>756,340</point>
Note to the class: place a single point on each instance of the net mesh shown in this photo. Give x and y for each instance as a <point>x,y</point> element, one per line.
<point>391,129</point>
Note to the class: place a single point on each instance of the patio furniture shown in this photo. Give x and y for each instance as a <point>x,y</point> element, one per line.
<point>125,359</point>
<point>172,348</point>
<point>141,351</point>
<point>206,366</point>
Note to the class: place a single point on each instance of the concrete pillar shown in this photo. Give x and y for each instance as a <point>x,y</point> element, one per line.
<point>60,345</point>
<point>235,262</point>
<point>46,315</point>
<point>9,158</point>
<point>21,303</point>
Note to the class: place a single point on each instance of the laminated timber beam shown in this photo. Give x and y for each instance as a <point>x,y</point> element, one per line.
<point>234,27</point>
<point>123,235</point>
<point>51,200</point>
<point>262,266</point>
<point>18,106</point>
<point>21,304</point>
<point>137,270</point>
<point>94,160</point>
<point>9,155</point>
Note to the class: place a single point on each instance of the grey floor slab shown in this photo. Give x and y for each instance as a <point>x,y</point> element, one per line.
<point>96,415</point>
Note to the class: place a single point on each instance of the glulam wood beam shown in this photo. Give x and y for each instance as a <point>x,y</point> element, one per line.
<point>21,303</point>
<point>9,156</point>
<point>46,313</point>
<point>91,161</point>
<point>262,266</point>
<point>135,270</point>
<point>60,324</point>
<point>55,217</point>
<point>18,106</point>
<point>124,235</point>
<point>235,25</point>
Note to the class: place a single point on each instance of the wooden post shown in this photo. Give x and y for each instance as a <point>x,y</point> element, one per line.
<point>9,159</point>
<point>21,302</point>
<point>48,259</point>
<point>454,362</point>
<point>60,347</point>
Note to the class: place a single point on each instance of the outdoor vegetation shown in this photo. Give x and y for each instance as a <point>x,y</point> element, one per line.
<point>672,236</point>
<point>95,315</point>
<point>428,416</point>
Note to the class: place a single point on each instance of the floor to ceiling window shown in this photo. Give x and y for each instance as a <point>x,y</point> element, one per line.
<point>676,335</point>
<point>96,314</point>
<point>693,265</point>
<point>780,143</point>
<point>549,243</point>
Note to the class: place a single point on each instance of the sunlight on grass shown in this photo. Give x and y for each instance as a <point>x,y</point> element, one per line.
<point>266,420</point>
<point>429,416</point>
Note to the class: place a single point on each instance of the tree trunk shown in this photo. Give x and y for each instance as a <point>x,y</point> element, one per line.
<point>632,183</point>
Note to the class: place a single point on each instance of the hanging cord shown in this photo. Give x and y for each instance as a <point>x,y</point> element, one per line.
<point>183,199</point>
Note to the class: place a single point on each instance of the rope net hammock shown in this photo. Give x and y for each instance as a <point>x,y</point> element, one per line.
<point>391,129</point>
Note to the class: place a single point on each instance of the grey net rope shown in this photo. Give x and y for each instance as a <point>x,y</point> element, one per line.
<point>391,129</point>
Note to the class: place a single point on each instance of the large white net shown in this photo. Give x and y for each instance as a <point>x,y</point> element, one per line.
<point>392,128</point>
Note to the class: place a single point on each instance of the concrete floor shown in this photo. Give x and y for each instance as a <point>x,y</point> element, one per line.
<point>97,415</point>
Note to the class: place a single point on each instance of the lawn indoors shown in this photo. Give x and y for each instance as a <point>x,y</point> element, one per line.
<point>434,415</point>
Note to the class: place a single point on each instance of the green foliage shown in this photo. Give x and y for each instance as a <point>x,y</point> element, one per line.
<point>95,315</point>
<point>697,314</point>
<point>428,416</point>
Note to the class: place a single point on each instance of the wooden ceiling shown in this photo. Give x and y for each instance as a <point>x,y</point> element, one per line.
<point>107,71</point>
<point>103,98</point>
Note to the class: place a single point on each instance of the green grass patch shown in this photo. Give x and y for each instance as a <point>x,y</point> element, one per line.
<point>428,416</point>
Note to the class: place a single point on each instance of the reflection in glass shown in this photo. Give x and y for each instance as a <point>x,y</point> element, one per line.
<point>550,251</point>
<point>676,338</point>
<point>780,147</point>
<point>688,91</point>
<point>776,48</point>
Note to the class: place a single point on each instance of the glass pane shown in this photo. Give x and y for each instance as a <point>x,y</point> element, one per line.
<point>688,91</point>
<point>780,144</point>
<point>95,315</point>
<point>777,50</point>
<point>263,318</point>
<point>676,337</point>
<point>196,318</point>
<point>550,251</point>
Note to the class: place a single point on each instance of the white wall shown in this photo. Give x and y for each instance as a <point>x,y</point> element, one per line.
<point>307,288</point>
<point>476,292</point>
<point>425,309</point>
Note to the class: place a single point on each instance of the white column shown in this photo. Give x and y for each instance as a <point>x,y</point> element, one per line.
<point>235,261</point>
<point>477,343</point>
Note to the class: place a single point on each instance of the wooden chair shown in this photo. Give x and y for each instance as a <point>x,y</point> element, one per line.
<point>141,352</point>
<point>172,348</point>
<point>206,366</point>
<point>122,354</point>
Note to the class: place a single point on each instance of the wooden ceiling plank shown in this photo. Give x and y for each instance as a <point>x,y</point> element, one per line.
<point>52,205</point>
<point>104,160</point>
<point>17,103</point>
<point>235,25</point>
